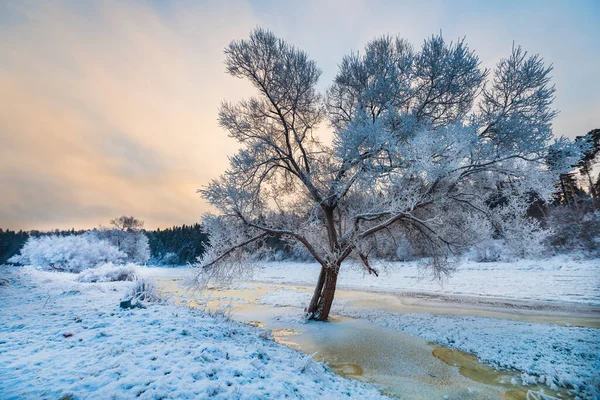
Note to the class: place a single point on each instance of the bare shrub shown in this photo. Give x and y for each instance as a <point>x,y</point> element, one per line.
<point>146,291</point>
<point>109,272</point>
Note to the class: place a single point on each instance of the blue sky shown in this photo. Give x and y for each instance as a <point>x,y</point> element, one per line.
<point>110,107</point>
<point>565,33</point>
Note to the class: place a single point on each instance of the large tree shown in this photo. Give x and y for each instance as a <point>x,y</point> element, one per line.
<point>422,143</point>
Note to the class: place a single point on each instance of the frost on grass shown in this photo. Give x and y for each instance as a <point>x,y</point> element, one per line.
<point>109,272</point>
<point>145,290</point>
<point>63,338</point>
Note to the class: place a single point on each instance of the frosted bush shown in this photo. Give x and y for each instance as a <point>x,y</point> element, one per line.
<point>278,255</point>
<point>67,253</point>
<point>145,290</point>
<point>109,272</point>
<point>404,250</point>
<point>299,253</point>
<point>525,238</point>
<point>134,244</point>
<point>488,251</point>
<point>307,365</point>
<point>169,258</point>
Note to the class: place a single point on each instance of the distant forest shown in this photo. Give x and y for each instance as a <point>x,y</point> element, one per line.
<point>172,246</point>
<point>177,245</point>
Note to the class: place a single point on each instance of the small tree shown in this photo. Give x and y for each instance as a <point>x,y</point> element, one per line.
<point>124,223</point>
<point>421,143</point>
<point>128,237</point>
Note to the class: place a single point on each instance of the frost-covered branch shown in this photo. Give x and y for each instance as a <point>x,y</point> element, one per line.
<point>428,148</point>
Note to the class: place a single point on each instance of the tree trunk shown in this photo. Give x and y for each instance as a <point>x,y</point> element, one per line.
<point>593,194</point>
<point>322,299</point>
<point>314,302</point>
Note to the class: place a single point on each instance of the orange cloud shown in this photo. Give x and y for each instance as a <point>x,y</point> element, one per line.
<point>111,108</point>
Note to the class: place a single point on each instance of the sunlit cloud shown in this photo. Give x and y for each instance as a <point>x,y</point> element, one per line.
<point>110,107</point>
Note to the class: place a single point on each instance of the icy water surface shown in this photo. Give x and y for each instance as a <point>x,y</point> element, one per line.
<point>403,366</point>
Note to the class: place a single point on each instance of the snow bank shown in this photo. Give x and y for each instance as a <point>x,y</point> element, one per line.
<point>59,337</point>
<point>552,354</point>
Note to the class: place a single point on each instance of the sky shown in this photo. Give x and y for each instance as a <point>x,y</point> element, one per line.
<point>110,107</point>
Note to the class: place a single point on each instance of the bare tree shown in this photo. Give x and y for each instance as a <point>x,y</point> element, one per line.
<point>127,237</point>
<point>414,156</point>
<point>124,223</point>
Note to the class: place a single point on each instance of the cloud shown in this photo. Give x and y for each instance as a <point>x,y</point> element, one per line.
<point>111,108</point>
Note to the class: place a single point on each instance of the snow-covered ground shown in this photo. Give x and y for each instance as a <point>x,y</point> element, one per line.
<point>64,339</point>
<point>559,278</point>
<point>551,354</point>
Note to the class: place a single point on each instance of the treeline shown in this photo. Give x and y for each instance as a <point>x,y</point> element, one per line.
<point>177,245</point>
<point>172,246</point>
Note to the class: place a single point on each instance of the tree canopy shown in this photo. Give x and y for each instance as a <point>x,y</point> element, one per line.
<point>423,141</point>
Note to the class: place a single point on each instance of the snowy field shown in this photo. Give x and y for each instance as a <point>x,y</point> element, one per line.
<point>556,279</point>
<point>559,278</point>
<point>62,339</point>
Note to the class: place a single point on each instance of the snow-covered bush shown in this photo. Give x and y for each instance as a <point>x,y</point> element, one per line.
<point>525,238</point>
<point>307,365</point>
<point>299,253</point>
<point>522,239</point>
<point>488,251</point>
<point>109,272</point>
<point>67,253</point>
<point>145,290</point>
<point>133,243</point>
<point>404,250</point>
<point>169,258</point>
